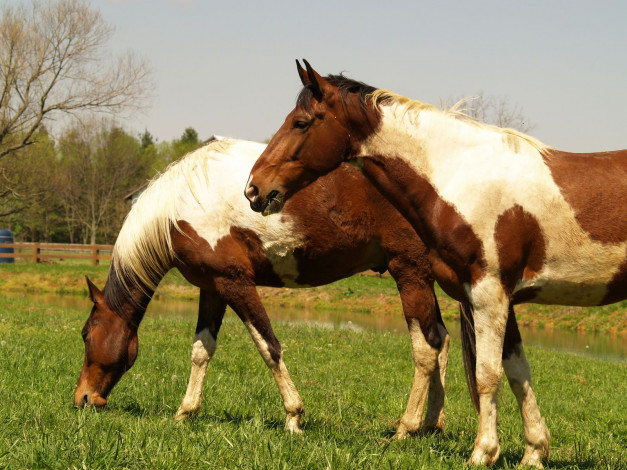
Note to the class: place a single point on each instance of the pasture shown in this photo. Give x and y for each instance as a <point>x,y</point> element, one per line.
<point>354,385</point>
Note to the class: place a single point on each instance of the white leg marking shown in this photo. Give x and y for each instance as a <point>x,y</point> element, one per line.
<point>434,419</point>
<point>536,433</point>
<point>203,349</point>
<point>292,401</point>
<point>491,310</point>
<point>425,362</point>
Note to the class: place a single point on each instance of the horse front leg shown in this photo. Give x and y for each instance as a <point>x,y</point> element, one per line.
<point>247,304</point>
<point>211,310</point>
<point>518,375</point>
<point>491,310</point>
<point>429,340</point>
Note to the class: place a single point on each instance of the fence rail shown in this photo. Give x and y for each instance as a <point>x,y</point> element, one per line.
<point>37,252</point>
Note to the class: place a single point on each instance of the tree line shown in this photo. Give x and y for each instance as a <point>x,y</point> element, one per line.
<point>56,75</point>
<point>72,190</point>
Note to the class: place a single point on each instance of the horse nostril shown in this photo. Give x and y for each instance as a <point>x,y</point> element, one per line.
<point>252,191</point>
<point>85,400</point>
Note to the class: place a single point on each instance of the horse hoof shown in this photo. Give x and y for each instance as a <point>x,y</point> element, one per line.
<point>292,424</point>
<point>402,432</point>
<point>533,458</point>
<point>484,457</point>
<point>181,415</point>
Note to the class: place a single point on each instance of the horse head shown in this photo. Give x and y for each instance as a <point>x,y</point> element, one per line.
<point>110,350</point>
<point>319,134</point>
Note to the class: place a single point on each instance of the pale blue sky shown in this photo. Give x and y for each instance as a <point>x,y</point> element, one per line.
<point>228,67</point>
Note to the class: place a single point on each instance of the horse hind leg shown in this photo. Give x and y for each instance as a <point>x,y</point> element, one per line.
<point>518,375</point>
<point>429,352</point>
<point>210,314</point>
<point>434,418</point>
<point>248,306</point>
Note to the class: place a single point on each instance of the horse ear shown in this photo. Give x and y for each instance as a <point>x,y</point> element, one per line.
<point>302,74</point>
<point>94,293</point>
<point>314,80</point>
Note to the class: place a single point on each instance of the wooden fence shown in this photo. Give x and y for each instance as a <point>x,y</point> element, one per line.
<point>38,252</point>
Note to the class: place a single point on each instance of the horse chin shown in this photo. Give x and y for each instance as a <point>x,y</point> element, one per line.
<point>273,206</point>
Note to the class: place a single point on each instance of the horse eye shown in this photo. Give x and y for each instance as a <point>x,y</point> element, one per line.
<point>300,125</point>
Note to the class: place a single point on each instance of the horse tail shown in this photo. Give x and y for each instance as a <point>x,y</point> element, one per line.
<point>469,350</point>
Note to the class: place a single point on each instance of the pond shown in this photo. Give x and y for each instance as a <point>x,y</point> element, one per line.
<point>600,346</point>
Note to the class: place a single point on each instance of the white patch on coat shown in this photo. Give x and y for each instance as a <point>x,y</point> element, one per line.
<point>292,401</point>
<point>206,189</point>
<point>425,362</point>
<point>537,434</point>
<point>212,201</point>
<point>483,175</point>
<point>203,349</point>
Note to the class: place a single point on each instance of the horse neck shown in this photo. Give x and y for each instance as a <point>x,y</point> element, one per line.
<point>405,158</point>
<point>126,295</point>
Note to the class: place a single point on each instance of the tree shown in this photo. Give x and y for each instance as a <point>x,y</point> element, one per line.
<point>186,143</point>
<point>101,164</point>
<point>53,63</point>
<point>29,202</point>
<point>493,110</point>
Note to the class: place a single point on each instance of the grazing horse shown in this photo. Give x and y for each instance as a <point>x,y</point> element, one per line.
<point>506,219</point>
<point>193,217</point>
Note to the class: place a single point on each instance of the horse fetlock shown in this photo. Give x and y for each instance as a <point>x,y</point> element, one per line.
<point>537,451</point>
<point>407,427</point>
<point>434,418</point>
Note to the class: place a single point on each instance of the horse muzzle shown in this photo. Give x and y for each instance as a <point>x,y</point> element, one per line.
<point>271,204</point>
<point>83,398</point>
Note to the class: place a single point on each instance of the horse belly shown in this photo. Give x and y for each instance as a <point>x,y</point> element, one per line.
<point>549,288</point>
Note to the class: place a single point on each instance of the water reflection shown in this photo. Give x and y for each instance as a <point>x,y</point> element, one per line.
<point>601,346</point>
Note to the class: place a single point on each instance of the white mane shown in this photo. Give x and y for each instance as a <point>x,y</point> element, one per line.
<point>143,249</point>
<point>513,138</point>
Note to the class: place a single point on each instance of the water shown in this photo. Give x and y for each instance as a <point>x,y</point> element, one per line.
<point>600,346</point>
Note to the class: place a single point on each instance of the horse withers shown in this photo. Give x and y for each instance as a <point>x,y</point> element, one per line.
<point>506,219</point>
<point>193,217</point>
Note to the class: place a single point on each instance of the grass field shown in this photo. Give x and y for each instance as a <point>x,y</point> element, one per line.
<point>354,385</point>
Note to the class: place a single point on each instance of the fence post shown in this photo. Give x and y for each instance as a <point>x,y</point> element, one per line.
<point>94,255</point>
<point>36,251</point>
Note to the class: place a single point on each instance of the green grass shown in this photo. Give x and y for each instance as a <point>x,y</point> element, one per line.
<point>354,385</point>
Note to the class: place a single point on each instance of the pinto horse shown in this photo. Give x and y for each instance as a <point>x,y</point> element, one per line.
<point>506,219</point>
<point>193,217</point>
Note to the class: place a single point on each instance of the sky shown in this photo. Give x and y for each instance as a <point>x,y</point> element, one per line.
<point>228,67</point>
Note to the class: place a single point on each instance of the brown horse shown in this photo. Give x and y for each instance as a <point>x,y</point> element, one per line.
<point>194,218</point>
<point>506,219</point>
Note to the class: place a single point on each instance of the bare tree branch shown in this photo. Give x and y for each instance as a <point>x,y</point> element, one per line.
<point>53,62</point>
<point>493,110</point>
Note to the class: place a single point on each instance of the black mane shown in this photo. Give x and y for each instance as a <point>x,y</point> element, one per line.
<point>345,86</point>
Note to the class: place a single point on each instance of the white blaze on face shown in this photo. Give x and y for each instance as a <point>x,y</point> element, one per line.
<point>215,203</point>
<point>483,173</point>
